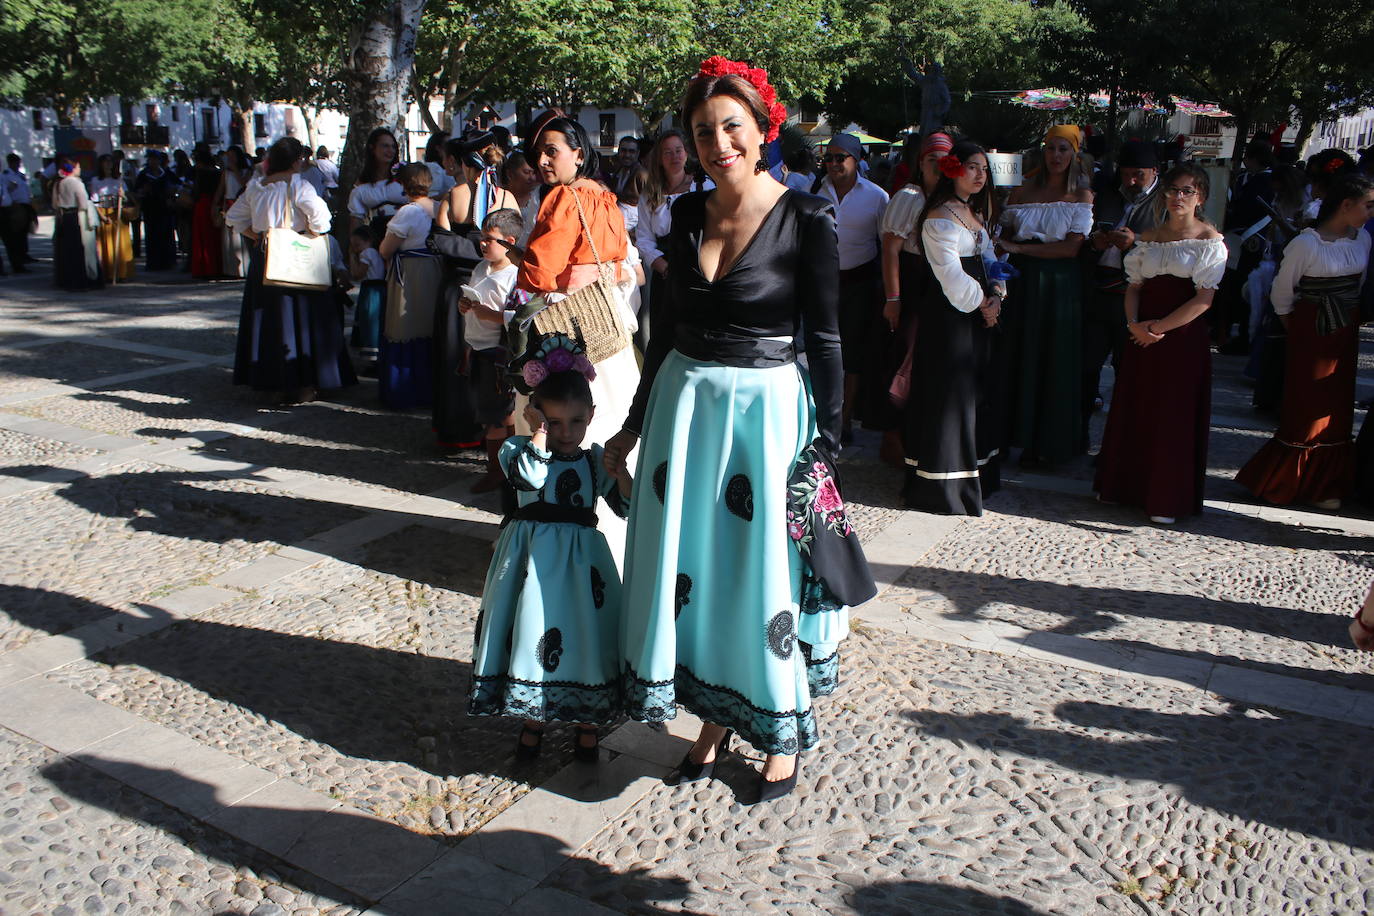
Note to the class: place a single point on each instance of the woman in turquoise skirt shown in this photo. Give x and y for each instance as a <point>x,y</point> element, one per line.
<point>722,615</point>
<point>546,642</point>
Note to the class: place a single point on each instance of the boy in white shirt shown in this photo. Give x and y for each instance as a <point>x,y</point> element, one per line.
<point>483,308</point>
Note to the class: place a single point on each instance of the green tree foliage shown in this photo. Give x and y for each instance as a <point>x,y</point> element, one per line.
<point>981,44</point>
<point>67,54</point>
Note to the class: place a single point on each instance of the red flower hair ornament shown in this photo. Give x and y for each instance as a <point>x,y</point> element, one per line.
<point>1335,164</point>
<point>951,167</point>
<point>758,78</point>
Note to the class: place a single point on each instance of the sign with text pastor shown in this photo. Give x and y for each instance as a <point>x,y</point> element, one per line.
<point>1005,169</point>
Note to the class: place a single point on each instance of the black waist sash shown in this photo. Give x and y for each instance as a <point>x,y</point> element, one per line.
<point>547,512</point>
<point>1337,300</point>
<point>740,351</point>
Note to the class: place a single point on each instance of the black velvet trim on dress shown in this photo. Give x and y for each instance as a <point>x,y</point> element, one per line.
<point>771,732</point>
<point>517,480</point>
<point>543,701</point>
<point>822,674</point>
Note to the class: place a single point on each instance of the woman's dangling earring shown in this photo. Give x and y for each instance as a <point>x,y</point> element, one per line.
<point>762,164</point>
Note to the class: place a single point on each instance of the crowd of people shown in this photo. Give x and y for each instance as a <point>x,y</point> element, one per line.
<point>750,317</point>
<point>168,213</point>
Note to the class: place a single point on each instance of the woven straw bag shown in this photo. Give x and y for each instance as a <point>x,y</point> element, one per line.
<point>592,314</point>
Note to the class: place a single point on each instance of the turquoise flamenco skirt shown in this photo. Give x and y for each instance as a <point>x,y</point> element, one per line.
<point>713,614</point>
<point>546,644</point>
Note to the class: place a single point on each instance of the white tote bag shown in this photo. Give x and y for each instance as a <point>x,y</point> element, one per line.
<point>294,260</point>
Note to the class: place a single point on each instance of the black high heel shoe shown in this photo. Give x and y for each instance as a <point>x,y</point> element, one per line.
<point>524,753</point>
<point>691,771</point>
<point>769,790</point>
<point>587,753</point>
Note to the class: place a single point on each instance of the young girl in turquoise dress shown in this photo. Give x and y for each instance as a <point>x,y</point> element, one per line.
<point>547,635</point>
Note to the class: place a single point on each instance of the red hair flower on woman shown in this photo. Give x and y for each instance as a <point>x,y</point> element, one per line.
<point>951,167</point>
<point>758,78</point>
<point>1334,164</point>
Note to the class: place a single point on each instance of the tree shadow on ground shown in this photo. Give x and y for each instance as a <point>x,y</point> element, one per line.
<point>1093,610</point>
<point>1290,771</point>
<point>390,451</point>
<point>928,898</point>
<point>410,874</point>
<point>1084,512</point>
<point>365,702</point>
<point>169,503</point>
<point>1088,609</point>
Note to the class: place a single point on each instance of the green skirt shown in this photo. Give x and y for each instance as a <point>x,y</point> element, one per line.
<point>1044,321</point>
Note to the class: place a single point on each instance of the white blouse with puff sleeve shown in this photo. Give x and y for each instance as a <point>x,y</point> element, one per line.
<point>899,219</point>
<point>945,242</point>
<point>1310,255</point>
<point>1048,222</point>
<point>1201,260</point>
<point>365,198</point>
<point>264,206</point>
<point>411,225</point>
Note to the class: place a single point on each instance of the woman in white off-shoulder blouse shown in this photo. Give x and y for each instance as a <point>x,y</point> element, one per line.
<point>1312,457</point>
<point>956,389</point>
<point>1154,450</point>
<point>1044,225</point>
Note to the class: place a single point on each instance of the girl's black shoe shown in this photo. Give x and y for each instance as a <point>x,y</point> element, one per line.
<point>690,771</point>
<point>525,752</point>
<point>770,790</point>
<point>587,753</point>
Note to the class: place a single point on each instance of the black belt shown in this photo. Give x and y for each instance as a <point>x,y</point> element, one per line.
<point>736,350</point>
<point>547,512</point>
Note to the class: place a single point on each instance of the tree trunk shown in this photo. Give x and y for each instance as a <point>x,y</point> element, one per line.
<point>1111,122</point>
<point>1242,138</point>
<point>380,62</point>
<point>422,101</point>
<point>1309,124</point>
<point>242,108</point>
<point>309,138</point>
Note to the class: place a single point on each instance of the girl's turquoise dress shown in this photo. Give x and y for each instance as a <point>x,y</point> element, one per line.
<point>718,612</point>
<point>546,643</point>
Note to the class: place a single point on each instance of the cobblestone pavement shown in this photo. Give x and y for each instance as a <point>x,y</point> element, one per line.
<point>235,642</point>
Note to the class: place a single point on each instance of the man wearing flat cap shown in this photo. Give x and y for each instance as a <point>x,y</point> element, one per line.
<point>859,206</point>
<point>1120,213</point>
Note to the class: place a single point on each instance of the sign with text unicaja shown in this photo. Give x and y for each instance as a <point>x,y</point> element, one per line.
<point>1005,169</point>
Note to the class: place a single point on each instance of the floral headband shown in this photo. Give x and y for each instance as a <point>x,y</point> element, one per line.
<point>952,167</point>
<point>758,78</point>
<point>557,353</point>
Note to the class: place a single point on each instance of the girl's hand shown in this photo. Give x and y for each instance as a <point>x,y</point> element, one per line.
<point>892,312</point>
<point>660,266</point>
<point>466,305</point>
<point>1360,638</point>
<point>990,310</point>
<point>617,450</point>
<point>535,418</point>
<point>1140,333</point>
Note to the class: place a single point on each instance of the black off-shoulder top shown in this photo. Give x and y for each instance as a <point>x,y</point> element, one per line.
<point>785,282</point>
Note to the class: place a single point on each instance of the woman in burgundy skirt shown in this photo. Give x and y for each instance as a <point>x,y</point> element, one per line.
<point>1316,293</point>
<point>1154,451</point>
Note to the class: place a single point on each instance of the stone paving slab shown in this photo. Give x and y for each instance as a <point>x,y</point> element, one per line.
<point>97,544</point>
<point>349,677</point>
<point>1075,567</point>
<point>75,840</point>
<point>955,781</point>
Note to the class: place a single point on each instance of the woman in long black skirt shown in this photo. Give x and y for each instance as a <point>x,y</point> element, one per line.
<point>76,260</point>
<point>290,341</point>
<point>952,463</point>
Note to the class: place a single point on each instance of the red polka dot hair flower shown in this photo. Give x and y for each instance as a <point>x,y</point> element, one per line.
<point>758,78</point>
<point>951,167</point>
